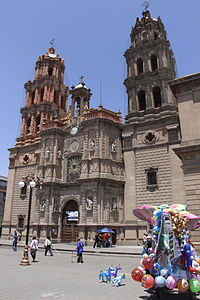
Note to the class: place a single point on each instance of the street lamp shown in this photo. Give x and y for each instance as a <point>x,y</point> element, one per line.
<point>32,182</point>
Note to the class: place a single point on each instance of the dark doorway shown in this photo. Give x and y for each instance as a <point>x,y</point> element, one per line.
<point>70,216</point>
<point>114,237</point>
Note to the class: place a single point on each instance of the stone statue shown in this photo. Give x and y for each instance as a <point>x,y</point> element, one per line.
<point>89,204</point>
<point>92,145</point>
<point>113,147</point>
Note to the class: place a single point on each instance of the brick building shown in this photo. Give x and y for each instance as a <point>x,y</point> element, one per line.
<point>95,170</point>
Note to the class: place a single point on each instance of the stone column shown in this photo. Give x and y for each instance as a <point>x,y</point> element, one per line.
<point>23,126</point>
<point>45,93</point>
<point>95,208</point>
<point>83,207</point>
<point>149,103</point>
<point>32,126</point>
<point>37,97</point>
<point>164,96</point>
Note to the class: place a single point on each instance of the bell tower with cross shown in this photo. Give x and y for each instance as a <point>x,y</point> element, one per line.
<point>80,98</point>
<point>46,94</point>
<point>150,64</point>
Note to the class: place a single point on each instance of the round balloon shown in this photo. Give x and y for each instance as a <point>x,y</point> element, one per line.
<point>160,281</point>
<point>194,285</point>
<point>163,272</point>
<point>155,270</point>
<point>182,285</point>
<point>148,262</point>
<point>137,274</point>
<point>147,281</point>
<point>170,283</point>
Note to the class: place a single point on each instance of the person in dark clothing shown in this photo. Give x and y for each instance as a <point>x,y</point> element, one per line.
<point>15,240</point>
<point>79,250</point>
<point>96,240</point>
<point>48,246</point>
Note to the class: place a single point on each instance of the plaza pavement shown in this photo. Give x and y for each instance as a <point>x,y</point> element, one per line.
<point>58,278</point>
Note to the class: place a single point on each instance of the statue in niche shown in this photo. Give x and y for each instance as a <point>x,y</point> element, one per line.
<point>113,147</point>
<point>114,204</point>
<point>92,145</point>
<point>42,205</point>
<point>89,203</point>
<point>59,153</point>
<point>48,152</point>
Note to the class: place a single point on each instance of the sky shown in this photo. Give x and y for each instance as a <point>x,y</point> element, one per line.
<point>91,36</point>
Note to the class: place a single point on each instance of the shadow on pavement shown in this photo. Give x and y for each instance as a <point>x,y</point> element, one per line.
<point>167,295</point>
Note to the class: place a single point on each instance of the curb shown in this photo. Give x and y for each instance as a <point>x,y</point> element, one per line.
<point>86,252</point>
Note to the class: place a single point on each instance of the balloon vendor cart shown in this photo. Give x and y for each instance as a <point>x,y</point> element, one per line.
<point>170,263</point>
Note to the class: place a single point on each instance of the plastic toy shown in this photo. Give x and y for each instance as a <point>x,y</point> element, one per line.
<point>117,281</point>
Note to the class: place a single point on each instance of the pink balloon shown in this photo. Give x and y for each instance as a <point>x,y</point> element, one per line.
<point>170,283</point>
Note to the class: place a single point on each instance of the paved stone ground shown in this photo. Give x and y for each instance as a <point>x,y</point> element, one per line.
<point>57,278</point>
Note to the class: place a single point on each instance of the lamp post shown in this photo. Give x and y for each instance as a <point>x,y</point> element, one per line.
<point>32,182</point>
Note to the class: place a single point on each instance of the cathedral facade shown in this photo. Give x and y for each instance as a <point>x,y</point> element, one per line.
<point>94,169</point>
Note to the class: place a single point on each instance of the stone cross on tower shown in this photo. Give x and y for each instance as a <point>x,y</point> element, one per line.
<point>52,43</point>
<point>145,5</point>
<point>81,78</point>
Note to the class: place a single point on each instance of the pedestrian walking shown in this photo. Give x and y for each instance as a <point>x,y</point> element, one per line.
<point>48,246</point>
<point>34,248</point>
<point>79,250</point>
<point>96,240</point>
<point>15,240</point>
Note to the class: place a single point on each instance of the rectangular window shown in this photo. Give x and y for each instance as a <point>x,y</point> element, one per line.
<point>152,180</point>
<point>23,191</point>
<point>20,224</point>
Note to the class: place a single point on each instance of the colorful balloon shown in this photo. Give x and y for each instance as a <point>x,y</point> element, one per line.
<point>148,262</point>
<point>170,283</point>
<point>182,285</point>
<point>147,281</point>
<point>163,272</point>
<point>160,281</point>
<point>194,285</point>
<point>155,270</point>
<point>137,274</point>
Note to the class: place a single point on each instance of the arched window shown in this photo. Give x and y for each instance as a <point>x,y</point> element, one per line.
<point>28,124</point>
<point>142,100</point>
<point>78,106</point>
<point>37,123</point>
<point>55,97</point>
<point>140,66</point>
<point>63,102</point>
<point>32,97</point>
<point>157,96</point>
<point>41,94</point>
<point>154,62</point>
<point>156,35</point>
<point>50,71</point>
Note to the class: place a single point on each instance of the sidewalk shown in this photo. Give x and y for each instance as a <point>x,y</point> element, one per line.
<point>64,247</point>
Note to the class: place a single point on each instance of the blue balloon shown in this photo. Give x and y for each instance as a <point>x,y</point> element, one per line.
<point>155,270</point>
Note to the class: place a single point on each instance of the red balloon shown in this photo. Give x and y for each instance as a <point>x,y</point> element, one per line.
<point>147,281</point>
<point>137,274</point>
<point>148,262</point>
